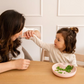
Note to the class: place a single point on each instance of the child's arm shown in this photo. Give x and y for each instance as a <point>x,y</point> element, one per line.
<point>17,64</point>
<point>40,43</point>
<point>30,32</point>
<point>37,33</point>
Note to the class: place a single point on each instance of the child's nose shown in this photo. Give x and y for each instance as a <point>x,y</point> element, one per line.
<point>55,41</point>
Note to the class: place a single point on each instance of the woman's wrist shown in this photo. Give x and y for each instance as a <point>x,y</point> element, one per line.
<point>13,64</point>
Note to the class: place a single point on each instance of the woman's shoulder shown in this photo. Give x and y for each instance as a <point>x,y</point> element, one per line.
<point>20,47</point>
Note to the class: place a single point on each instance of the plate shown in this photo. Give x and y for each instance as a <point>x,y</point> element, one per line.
<point>61,73</point>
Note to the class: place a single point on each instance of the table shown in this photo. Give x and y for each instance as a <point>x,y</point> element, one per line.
<point>39,73</point>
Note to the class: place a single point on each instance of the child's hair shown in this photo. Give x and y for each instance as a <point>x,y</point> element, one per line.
<point>69,35</point>
<point>11,23</point>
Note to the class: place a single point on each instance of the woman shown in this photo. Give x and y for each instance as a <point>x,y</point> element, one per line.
<point>11,25</point>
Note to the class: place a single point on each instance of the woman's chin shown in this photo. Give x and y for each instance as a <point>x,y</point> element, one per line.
<point>13,39</point>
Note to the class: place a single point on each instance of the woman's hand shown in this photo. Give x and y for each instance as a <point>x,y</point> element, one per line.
<point>16,64</point>
<point>21,64</point>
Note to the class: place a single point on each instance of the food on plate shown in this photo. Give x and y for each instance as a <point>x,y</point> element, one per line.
<point>67,69</point>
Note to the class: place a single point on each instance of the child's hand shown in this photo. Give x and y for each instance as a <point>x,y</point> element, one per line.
<point>28,34</point>
<point>21,64</point>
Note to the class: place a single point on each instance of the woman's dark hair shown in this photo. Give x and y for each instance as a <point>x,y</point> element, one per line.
<point>11,23</point>
<point>69,35</point>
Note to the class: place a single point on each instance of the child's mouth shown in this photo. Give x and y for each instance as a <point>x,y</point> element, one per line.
<point>55,44</point>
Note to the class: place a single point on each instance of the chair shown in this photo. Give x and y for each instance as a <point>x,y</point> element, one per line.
<point>26,54</point>
<point>44,55</point>
<point>80,60</point>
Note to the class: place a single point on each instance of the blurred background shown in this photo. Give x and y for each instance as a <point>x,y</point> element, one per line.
<point>48,16</point>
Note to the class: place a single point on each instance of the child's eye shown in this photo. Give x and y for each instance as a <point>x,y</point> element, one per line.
<point>58,40</point>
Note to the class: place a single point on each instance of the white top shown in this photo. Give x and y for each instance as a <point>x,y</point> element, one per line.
<point>55,55</point>
<point>20,56</point>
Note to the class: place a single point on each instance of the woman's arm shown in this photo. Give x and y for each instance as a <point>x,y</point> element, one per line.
<point>6,66</point>
<point>16,64</point>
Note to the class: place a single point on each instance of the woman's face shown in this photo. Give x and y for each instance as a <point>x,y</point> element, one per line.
<point>14,37</point>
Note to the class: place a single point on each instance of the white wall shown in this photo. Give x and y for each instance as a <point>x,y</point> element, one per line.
<point>48,16</point>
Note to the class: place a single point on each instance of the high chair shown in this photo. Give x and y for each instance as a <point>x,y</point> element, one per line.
<point>45,55</point>
<point>80,60</point>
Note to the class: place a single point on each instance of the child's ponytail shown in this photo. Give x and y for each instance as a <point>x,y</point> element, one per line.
<point>75,29</point>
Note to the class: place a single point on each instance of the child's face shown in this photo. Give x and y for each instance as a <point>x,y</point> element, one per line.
<point>59,42</point>
<point>14,37</point>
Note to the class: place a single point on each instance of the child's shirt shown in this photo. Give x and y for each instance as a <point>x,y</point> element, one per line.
<point>55,55</point>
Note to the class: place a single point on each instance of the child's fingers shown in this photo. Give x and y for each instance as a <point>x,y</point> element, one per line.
<point>32,33</point>
<point>27,35</point>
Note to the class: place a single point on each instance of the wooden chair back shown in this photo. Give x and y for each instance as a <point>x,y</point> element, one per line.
<point>80,60</point>
<point>44,54</point>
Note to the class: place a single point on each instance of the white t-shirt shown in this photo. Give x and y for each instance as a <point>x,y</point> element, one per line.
<point>55,55</point>
<point>20,56</point>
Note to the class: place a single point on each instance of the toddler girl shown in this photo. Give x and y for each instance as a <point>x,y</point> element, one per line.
<point>62,51</point>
